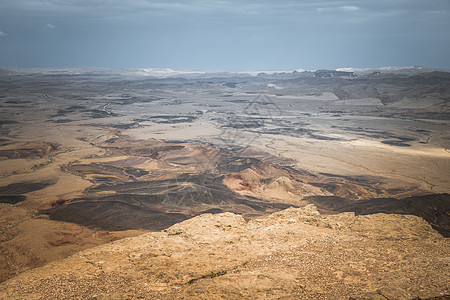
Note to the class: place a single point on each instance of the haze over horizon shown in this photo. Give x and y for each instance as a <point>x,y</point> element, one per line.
<point>224,35</point>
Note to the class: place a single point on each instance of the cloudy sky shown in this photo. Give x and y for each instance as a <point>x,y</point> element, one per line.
<point>225,34</point>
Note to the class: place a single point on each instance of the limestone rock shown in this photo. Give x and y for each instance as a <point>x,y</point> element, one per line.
<point>293,254</point>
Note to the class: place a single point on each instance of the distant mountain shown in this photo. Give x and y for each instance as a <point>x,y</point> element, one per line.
<point>347,72</point>
<point>129,72</point>
<point>167,72</point>
<point>407,70</point>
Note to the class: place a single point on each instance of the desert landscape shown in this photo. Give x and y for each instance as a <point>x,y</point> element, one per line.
<point>140,183</point>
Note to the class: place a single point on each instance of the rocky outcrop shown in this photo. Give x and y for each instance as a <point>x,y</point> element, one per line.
<point>433,207</point>
<point>294,253</point>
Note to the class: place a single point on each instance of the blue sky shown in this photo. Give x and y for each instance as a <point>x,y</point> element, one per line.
<point>224,34</point>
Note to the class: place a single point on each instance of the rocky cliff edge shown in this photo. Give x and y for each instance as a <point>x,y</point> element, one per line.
<point>294,253</point>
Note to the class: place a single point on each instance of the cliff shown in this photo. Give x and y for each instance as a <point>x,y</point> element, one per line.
<point>294,253</point>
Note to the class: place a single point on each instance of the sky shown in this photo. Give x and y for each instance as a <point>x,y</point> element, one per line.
<point>226,35</point>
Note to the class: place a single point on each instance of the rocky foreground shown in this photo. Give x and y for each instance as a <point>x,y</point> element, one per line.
<point>294,253</point>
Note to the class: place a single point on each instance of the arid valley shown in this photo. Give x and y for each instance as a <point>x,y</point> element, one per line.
<point>123,184</point>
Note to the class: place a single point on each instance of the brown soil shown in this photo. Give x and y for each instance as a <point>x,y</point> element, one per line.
<point>27,241</point>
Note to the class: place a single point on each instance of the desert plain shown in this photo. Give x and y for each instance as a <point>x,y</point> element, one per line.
<point>294,185</point>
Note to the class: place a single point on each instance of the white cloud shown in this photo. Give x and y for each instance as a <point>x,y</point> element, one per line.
<point>51,26</point>
<point>345,8</point>
<point>438,11</point>
<point>349,8</point>
<point>3,33</point>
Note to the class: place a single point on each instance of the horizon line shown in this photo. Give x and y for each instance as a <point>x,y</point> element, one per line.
<point>205,71</point>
